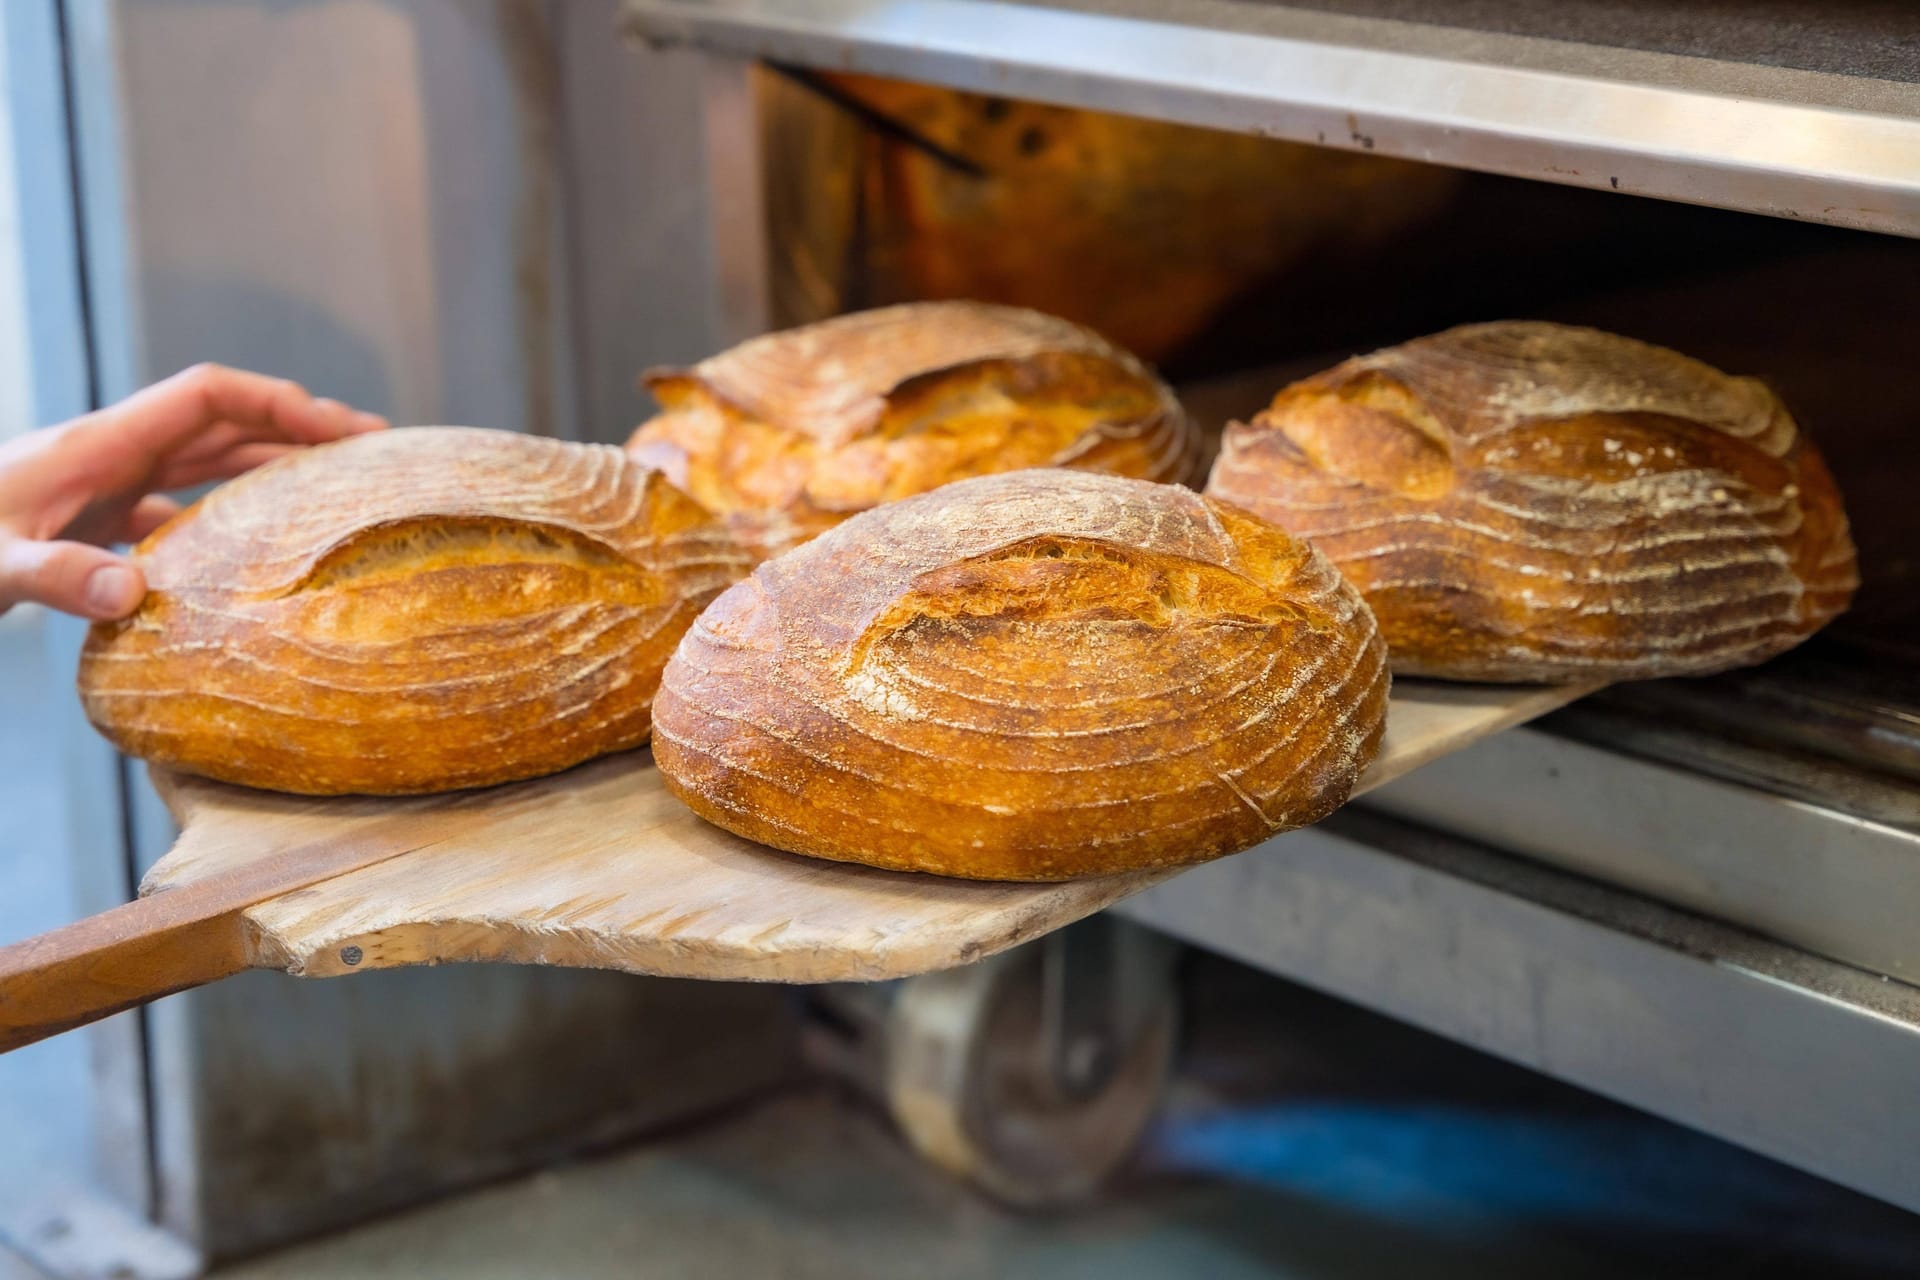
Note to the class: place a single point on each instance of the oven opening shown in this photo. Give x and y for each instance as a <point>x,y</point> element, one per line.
<point>1237,263</point>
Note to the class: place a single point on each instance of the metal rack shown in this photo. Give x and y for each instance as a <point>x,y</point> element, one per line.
<point>1779,1043</point>
<point>1796,1057</point>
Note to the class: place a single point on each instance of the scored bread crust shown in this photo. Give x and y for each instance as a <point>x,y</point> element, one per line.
<point>1031,676</point>
<point>788,434</point>
<point>408,611</point>
<point>1523,501</point>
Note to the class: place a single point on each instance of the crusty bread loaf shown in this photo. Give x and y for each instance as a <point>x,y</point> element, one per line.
<point>1029,676</point>
<point>790,433</point>
<point>408,611</point>
<point>1526,501</point>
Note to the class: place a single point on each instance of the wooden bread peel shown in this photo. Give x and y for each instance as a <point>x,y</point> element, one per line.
<point>594,868</point>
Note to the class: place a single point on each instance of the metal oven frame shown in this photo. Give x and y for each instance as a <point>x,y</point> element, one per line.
<point>1709,952</point>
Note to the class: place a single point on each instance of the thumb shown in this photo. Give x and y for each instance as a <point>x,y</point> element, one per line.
<point>69,576</point>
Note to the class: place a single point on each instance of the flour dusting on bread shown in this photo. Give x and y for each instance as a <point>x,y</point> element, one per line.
<point>416,610</point>
<point>787,434</point>
<point>1610,508</point>
<point>1037,675</point>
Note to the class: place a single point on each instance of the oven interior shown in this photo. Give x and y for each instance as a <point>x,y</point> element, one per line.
<point>1237,263</point>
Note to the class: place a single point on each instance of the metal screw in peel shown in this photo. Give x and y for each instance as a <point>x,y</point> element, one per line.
<point>349,956</point>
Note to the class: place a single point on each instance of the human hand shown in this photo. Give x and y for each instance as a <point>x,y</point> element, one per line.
<point>67,491</point>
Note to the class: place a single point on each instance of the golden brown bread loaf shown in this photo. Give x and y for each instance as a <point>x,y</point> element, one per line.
<point>788,434</point>
<point>1030,676</point>
<point>408,611</point>
<point>1528,501</point>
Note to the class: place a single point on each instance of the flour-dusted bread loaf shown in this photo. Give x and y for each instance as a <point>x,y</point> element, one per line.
<point>1534,502</point>
<point>1029,676</point>
<point>408,611</point>
<point>788,434</point>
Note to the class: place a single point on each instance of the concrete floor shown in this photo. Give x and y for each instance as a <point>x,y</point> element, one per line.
<point>806,1187</point>
<point>1304,1139</point>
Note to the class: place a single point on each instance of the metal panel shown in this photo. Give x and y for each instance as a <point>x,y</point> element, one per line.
<point>102,877</point>
<point>374,199</point>
<point>52,382</point>
<point>1803,1060</point>
<point>1804,144</point>
<point>1835,884</point>
<point>302,1105</point>
<point>640,235</point>
<point>68,1237</point>
<point>15,1267</point>
<point>336,191</point>
<point>16,361</point>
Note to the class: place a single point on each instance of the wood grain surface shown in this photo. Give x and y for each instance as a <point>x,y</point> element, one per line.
<point>601,868</point>
<point>168,942</point>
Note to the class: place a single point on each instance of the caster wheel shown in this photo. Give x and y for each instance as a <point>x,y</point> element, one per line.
<point>974,1082</point>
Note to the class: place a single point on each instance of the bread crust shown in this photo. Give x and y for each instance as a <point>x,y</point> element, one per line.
<point>1523,501</point>
<point>1037,675</point>
<point>410,611</point>
<point>788,434</point>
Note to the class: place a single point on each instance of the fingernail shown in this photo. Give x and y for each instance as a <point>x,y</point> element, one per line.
<point>113,591</point>
<point>369,422</point>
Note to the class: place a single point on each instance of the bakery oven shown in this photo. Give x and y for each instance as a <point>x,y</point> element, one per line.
<point>1693,895</point>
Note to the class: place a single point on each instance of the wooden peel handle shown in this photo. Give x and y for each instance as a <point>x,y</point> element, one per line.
<point>118,959</point>
<point>181,938</point>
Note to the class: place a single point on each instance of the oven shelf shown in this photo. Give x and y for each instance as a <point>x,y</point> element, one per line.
<point>1630,804</point>
<point>1799,1058</point>
<point>1812,112</point>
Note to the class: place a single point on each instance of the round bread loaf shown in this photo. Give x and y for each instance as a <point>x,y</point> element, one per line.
<point>1030,676</point>
<point>408,611</point>
<point>1534,502</point>
<point>788,434</point>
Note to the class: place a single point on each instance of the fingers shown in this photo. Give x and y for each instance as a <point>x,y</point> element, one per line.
<point>170,414</point>
<point>147,515</point>
<point>358,421</point>
<point>214,438</point>
<point>91,477</point>
<point>70,576</point>
<point>272,408</point>
<point>193,418</point>
<point>229,462</point>
<point>215,442</point>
